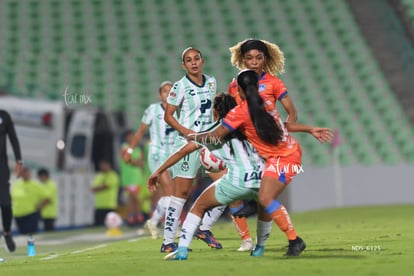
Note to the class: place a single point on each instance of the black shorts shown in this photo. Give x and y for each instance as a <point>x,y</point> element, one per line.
<point>28,224</point>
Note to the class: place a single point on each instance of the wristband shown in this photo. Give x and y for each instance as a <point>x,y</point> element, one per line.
<point>129,150</point>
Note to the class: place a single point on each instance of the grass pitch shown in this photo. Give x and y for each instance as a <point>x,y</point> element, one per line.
<point>376,240</point>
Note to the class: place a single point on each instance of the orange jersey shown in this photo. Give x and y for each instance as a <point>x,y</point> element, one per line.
<point>239,117</point>
<point>271,90</point>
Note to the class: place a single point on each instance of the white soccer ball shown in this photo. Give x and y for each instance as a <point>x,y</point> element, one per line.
<point>210,162</point>
<point>113,220</point>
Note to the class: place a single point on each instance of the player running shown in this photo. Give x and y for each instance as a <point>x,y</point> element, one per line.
<point>162,139</point>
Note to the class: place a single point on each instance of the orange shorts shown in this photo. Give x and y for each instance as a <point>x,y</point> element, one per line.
<point>284,168</point>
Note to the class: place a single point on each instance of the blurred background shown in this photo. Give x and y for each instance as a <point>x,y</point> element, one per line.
<point>349,66</point>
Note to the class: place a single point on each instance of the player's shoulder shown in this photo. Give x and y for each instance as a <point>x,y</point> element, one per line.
<point>232,86</point>
<point>209,78</point>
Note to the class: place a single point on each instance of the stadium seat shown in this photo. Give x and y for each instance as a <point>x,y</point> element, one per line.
<point>119,51</point>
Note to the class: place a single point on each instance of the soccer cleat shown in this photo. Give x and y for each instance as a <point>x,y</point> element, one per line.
<point>208,238</point>
<point>181,254</point>
<point>295,247</point>
<point>258,251</point>
<point>246,245</point>
<point>11,246</point>
<point>168,248</point>
<point>152,229</point>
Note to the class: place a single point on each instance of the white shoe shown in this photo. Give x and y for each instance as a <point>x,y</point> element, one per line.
<point>246,245</point>
<point>152,229</point>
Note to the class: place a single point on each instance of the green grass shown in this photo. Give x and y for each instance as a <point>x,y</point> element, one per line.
<point>385,232</point>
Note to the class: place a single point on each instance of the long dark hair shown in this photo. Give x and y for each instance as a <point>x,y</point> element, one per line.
<point>265,125</point>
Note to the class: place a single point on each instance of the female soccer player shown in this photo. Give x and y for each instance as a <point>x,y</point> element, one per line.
<point>273,142</point>
<point>188,110</point>
<point>268,61</point>
<point>241,181</point>
<point>162,139</point>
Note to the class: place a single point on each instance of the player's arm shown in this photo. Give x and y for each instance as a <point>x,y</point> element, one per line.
<point>172,159</point>
<point>134,142</point>
<point>210,137</point>
<point>289,107</point>
<point>172,122</point>
<point>321,134</point>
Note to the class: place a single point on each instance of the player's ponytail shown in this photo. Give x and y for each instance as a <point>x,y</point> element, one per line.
<point>265,125</point>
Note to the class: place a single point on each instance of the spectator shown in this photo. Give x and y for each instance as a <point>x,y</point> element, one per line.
<point>29,198</point>
<point>49,212</point>
<point>105,187</point>
<point>132,178</point>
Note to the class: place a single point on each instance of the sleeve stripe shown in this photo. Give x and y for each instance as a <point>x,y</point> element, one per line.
<point>228,126</point>
<point>282,95</point>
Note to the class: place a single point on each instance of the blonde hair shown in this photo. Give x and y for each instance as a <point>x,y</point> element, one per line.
<point>274,59</point>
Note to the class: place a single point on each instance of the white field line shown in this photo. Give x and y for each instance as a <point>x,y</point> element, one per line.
<point>89,248</point>
<point>54,256</point>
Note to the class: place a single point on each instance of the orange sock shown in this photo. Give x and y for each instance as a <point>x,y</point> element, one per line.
<point>242,227</point>
<point>282,219</point>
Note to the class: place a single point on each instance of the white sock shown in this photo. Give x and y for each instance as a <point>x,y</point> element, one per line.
<point>172,217</point>
<point>159,211</point>
<point>263,231</point>
<point>188,229</point>
<point>211,216</point>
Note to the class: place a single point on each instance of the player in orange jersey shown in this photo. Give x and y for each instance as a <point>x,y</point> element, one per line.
<point>273,142</point>
<point>268,61</point>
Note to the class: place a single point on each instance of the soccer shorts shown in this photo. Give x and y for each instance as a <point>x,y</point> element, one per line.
<point>188,166</point>
<point>284,168</point>
<point>227,193</point>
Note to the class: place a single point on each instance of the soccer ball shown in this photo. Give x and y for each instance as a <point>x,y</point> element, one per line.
<point>113,220</point>
<point>210,162</point>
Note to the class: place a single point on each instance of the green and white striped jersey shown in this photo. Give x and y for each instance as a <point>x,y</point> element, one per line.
<point>245,166</point>
<point>162,136</point>
<point>194,102</point>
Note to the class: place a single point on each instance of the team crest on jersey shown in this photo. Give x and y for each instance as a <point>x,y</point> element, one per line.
<point>211,86</point>
<point>185,167</point>
<point>262,87</point>
<point>172,94</point>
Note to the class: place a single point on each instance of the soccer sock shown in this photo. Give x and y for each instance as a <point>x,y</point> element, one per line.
<point>173,213</point>
<point>281,217</point>
<point>159,211</point>
<point>6,215</point>
<point>242,228</point>
<point>263,231</point>
<point>188,229</point>
<point>211,216</point>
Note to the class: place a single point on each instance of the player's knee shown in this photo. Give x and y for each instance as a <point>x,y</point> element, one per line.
<point>265,199</point>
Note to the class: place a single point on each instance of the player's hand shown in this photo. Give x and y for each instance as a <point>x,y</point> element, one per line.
<point>18,169</point>
<point>152,182</point>
<point>126,156</point>
<point>322,134</point>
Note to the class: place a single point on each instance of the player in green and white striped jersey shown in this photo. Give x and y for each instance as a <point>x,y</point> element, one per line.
<point>189,110</point>
<point>241,181</point>
<point>162,138</point>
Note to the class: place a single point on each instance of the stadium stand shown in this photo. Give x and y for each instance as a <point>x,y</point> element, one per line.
<point>119,51</point>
